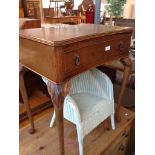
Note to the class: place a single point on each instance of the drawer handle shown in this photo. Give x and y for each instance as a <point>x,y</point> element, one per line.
<point>121,46</point>
<point>77,60</point>
<point>125,134</point>
<point>121,148</point>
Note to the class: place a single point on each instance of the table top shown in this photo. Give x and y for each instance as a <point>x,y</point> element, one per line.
<point>65,34</point>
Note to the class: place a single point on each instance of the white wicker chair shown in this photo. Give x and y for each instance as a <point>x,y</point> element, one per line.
<point>90,102</point>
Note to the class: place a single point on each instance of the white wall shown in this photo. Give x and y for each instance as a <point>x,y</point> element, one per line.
<point>77,3</point>
<point>46,4</point>
<point>129,8</point>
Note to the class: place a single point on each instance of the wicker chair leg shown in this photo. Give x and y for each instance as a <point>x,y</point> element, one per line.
<point>112,121</point>
<point>80,139</point>
<point>53,120</point>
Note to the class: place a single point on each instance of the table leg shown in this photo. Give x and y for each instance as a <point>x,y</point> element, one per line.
<point>25,100</point>
<point>58,93</point>
<point>127,67</point>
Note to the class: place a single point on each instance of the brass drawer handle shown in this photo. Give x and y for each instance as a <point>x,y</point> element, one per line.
<point>121,46</point>
<point>77,60</point>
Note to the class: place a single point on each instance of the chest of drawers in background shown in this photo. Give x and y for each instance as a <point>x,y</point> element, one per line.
<point>33,9</point>
<point>113,142</point>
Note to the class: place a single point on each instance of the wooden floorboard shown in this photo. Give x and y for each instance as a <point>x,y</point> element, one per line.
<point>35,100</point>
<point>45,140</point>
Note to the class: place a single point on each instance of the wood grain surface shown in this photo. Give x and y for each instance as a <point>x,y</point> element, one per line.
<point>99,142</point>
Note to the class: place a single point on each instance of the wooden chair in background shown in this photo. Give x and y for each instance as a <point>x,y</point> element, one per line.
<point>83,19</point>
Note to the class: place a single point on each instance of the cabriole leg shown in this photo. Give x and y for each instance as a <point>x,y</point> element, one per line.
<point>58,93</point>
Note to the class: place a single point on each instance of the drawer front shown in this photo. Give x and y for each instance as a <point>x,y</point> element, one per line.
<point>119,147</point>
<point>29,5</point>
<point>36,4</point>
<point>73,61</point>
<point>93,53</point>
<point>74,20</point>
<point>69,20</point>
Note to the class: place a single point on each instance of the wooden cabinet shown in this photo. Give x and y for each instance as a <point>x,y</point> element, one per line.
<point>21,13</point>
<point>120,145</point>
<point>21,10</point>
<point>113,142</point>
<point>33,9</point>
<point>20,4</point>
<point>26,23</point>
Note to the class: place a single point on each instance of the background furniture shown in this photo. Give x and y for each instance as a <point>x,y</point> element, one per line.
<point>21,10</point>
<point>115,70</point>
<point>90,102</point>
<point>126,22</point>
<point>63,19</point>
<point>56,9</point>
<point>32,9</point>
<point>87,9</point>
<point>21,13</point>
<point>27,23</point>
<point>70,51</point>
<point>83,19</point>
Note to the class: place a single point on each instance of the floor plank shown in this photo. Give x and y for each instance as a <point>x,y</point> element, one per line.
<point>35,100</point>
<point>45,141</point>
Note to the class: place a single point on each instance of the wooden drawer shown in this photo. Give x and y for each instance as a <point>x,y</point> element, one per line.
<point>36,4</point>
<point>30,5</point>
<point>119,147</point>
<point>73,60</point>
<point>69,20</point>
<point>74,20</point>
<point>94,52</point>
